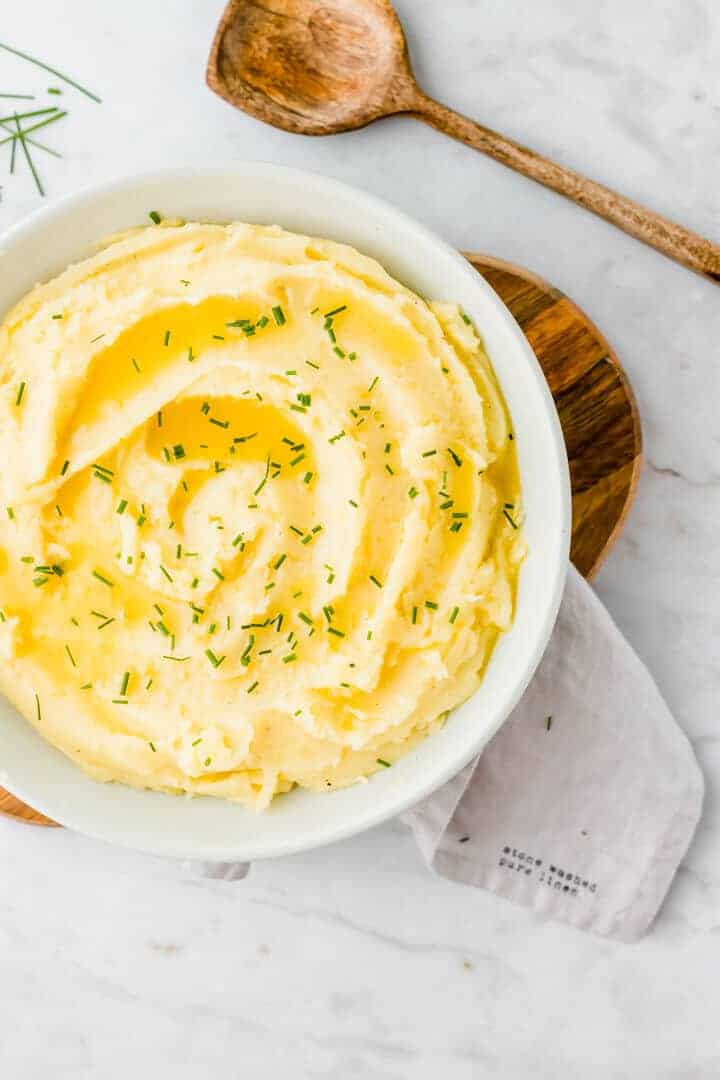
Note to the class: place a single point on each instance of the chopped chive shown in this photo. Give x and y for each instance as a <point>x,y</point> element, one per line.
<point>124,684</point>
<point>353,503</point>
<point>454,614</point>
<point>160,419</point>
<point>58,316</point>
<point>218,573</point>
<point>312,365</point>
<point>218,337</point>
<point>253,687</point>
<point>297,460</point>
<point>106,581</point>
<point>70,655</point>
<point>307,477</point>
<point>548,723</point>
<point>384,763</point>
<point>135,365</point>
<point>514,525</point>
<point>66,466</point>
<point>305,618</point>
<point>164,571</point>
<point>155,217</point>
<point>262,322</point>
<point>20,393</point>
<point>429,453</point>
<point>413,492</point>
<point>373,384</point>
<point>220,423</point>
<point>238,540</point>
<point>375,581</point>
<point>337,633</point>
<point>10,513</point>
<point>166,339</point>
<point>389,470</point>
<point>39,712</point>
<point>58,511</point>
<point>339,352</point>
<point>121,507</point>
<point>431,604</point>
<point>447,504</point>
<point>216,661</point>
<point>289,658</point>
<point>336,438</point>
<point>279,315</point>
<point>456,526</point>
<point>335,311</point>
<point>414,614</point>
<point>279,562</point>
<point>457,460</point>
<point>263,482</point>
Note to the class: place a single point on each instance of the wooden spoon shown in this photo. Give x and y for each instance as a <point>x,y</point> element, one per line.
<point>316,67</point>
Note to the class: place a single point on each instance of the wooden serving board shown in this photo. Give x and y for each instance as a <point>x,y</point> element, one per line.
<point>597,411</point>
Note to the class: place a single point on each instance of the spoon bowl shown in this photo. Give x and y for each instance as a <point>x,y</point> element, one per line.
<point>312,68</point>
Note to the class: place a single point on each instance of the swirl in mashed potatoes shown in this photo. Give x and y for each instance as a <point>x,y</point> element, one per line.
<point>260,512</point>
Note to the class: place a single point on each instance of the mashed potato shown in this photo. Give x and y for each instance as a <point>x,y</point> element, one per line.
<point>259,512</point>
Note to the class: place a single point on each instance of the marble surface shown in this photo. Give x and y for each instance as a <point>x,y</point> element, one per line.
<point>352,961</point>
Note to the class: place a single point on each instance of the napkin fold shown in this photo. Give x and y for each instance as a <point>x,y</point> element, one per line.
<point>585,802</point>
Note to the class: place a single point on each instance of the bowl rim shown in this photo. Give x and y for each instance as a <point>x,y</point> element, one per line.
<point>412,793</point>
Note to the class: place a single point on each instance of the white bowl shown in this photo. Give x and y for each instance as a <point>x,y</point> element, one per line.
<point>206,828</point>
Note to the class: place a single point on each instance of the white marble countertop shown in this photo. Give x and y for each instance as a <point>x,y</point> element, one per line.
<point>352,961</point>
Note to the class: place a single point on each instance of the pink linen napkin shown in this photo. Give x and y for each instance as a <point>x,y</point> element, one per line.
<point>584,803</point>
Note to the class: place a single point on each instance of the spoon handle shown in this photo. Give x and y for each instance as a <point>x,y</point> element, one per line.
<point>671,239</point>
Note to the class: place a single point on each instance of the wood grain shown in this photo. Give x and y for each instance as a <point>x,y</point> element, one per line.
<point>317,67</point>
<point>597,412</point>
